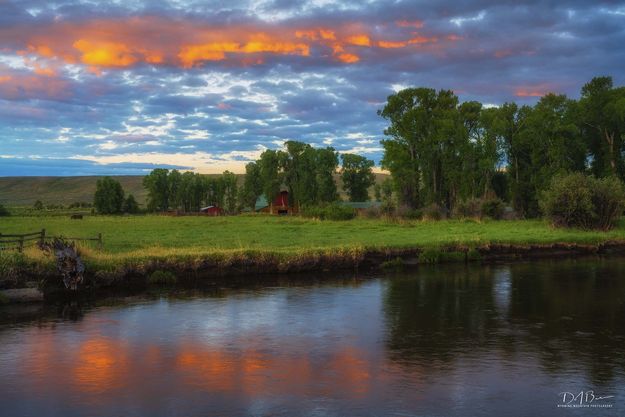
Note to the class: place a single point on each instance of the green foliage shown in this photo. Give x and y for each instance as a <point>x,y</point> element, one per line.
<point>109,196</point>
<point>130,205</point>
<point>162,278</point>
<point>38,205</point>
<point>396,263</point>
<point>578,200</point>
<point>329,212</point>
<point>4,212</point>
<point>433,212</point>
<point>357,176</point>
<point>493,208</point>
<point>158,186</point>
<point>252,186</point>
<point>471,208</point>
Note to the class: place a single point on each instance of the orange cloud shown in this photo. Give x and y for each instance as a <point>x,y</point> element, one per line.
<point>534,91</point>
<point>359,40</point>
<point>109,44</point>
<point>406,23</point>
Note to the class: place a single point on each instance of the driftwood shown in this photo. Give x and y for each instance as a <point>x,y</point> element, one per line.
<point>68,262</point>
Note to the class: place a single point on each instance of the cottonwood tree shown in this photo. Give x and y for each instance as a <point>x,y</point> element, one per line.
<point>109,196</point>
<point>357,176</point>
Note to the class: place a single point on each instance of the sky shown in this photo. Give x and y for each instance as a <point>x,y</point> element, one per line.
<point>120,87</point>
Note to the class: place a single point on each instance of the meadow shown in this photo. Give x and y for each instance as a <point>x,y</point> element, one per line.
<point>249,244</point>
<point>123,234</point>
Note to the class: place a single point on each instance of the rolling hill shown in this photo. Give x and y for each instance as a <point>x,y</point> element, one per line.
<point>24,191</point>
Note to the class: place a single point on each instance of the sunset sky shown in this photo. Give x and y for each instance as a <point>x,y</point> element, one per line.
<point>93,87</point>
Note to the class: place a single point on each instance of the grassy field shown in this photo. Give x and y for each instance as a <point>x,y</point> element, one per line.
<point>291,234</point>
<point>263,243</point>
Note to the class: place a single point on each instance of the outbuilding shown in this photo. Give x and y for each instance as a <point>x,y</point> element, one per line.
<point>212,211</point>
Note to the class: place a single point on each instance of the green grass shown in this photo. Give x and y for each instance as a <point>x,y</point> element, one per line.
<point>259,232</point>
<point>148,243</point>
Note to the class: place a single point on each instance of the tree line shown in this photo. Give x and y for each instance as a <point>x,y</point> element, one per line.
<point>443,152</point>
<point>440,153</point>
<point>308,174</point>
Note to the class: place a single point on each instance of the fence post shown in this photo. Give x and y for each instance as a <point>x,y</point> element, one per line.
<point>43,237</point>
<point>20,248</point>
<point>100,241</point>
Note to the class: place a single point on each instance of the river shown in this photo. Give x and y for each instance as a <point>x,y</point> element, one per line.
<point>523,339</point>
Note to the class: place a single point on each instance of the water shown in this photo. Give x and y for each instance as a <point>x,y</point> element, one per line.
<point>501,340</point>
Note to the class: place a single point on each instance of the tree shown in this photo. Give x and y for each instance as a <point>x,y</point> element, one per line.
<point>157,184</point>
<point>327,160</point>
<point>271,177</point>
<point>602,123</point>
<point>410,113</point>
<point>109,196</point>
<point>357,176</point>
<point>252,186</point>
<point>130,205</point>
<point>229,181</point>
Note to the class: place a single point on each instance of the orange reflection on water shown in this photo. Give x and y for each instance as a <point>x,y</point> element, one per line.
<point>101,364</point>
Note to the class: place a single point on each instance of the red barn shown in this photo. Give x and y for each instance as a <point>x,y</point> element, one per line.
<point>279,205</point>
<point>212,211</point>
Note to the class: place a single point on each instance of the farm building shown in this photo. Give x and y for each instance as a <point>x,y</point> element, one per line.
<point>279,205</point>
<point>212,211</point>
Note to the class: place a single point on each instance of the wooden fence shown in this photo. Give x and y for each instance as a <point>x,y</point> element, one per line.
<point>20,241</point>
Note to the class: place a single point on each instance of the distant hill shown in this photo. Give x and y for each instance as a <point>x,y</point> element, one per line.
<point>24,191</point>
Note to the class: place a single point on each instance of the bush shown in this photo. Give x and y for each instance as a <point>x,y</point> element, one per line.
<point>434,212</point>
<point>4,212</point>
<point>372,212</point>
<point>578,200</point>
<point>608,201</point>
<point>162,278</point>
<point>330,212</point>
<point>406,212</point>
<point>493,208</point>
<point>471,208</point>
<point>38,205</point>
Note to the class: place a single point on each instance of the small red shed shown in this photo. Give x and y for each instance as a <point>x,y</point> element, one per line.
<point>212,211</point>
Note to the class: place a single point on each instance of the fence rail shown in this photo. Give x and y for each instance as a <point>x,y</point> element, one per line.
<point>20,241</point>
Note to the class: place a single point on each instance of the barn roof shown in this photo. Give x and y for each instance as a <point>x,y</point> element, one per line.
<point>261,203</point>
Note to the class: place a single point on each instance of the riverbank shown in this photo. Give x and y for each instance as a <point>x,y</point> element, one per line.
<point>215,247</point>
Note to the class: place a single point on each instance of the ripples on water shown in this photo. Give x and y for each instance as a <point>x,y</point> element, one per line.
<point>440,341</point>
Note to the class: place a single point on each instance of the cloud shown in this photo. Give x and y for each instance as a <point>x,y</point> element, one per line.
<point>204,85</point>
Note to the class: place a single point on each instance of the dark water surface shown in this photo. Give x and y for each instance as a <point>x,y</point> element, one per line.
<point>459,340</point>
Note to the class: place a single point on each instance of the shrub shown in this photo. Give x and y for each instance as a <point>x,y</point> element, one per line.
<point>130,205</point>
<point>372,212</point>
<point>493,208</point>
<point>38,205</point>
<point>578,200</point>
<point>468,208</point>
<point>162,278</point>
<point>407,212</point>
<point>433,212</point>
<point>608,200</point>
<point>4,212</point>
<point>330,212</point>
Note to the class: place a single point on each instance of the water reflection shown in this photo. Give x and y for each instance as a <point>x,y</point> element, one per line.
<point>457,340</point>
